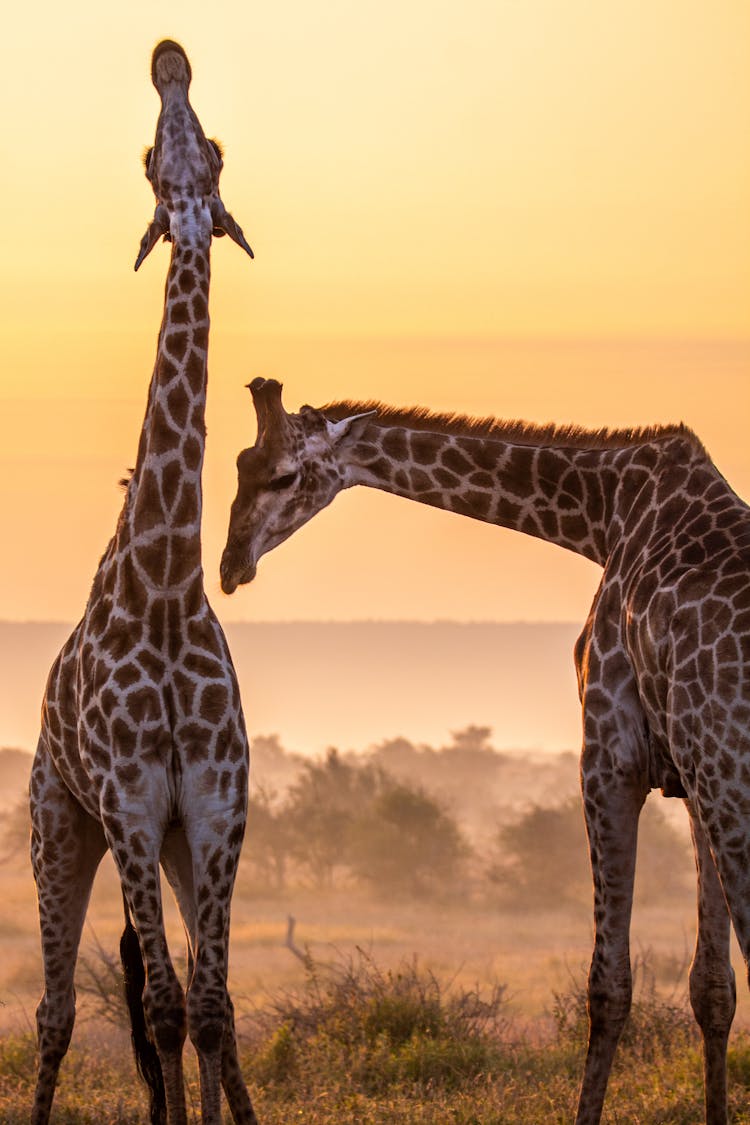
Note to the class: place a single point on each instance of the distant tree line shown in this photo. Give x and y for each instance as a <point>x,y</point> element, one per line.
<point>414,821</point>
<point>349,821</point>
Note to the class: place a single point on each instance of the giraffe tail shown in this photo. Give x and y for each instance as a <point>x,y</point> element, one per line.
<point>146,1056</point>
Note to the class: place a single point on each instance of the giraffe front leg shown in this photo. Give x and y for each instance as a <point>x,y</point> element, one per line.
<point>208,1005</point>
<point>66,848</point>
<point>215,838</point>
<point>611,811</point>
<point>712,985</point>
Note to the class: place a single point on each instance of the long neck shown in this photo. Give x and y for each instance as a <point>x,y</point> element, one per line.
<point>164,504</point>
<point>565,495</point>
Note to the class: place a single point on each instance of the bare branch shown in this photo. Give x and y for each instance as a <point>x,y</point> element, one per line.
<point>303,955</point>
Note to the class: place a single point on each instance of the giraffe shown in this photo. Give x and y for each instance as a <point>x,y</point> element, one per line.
<point>143,747</point>
<point>663,661</point>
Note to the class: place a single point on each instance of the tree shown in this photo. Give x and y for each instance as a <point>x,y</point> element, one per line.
<point>270,839</point>
<point>15,830</point>
<point>472,740</point>
<point>401,758</point>
<point>542,859</point>
<point>321,809</point>
<point>355,819</point>
<point>405,842</point>
<point>271,765</point>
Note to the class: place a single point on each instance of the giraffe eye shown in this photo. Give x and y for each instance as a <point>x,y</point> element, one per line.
<point>282,482</point>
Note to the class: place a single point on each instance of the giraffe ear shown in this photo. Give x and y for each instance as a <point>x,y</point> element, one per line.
<point>159,226</point>
<point>225,224</point>
<point>352,427</point>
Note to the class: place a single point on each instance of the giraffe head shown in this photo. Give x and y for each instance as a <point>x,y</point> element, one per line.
<point>182,166</point>
<point>295,469</point>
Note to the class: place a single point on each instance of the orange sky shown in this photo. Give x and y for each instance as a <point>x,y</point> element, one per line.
<point>446,202</point>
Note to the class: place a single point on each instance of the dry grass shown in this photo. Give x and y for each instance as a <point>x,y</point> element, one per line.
<point>359,1044</point>
<point>523,1068</point>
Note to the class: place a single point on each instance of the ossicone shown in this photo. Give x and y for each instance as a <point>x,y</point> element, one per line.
<point>268,407</point>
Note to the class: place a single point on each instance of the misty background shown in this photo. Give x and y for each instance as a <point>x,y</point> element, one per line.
<point>350,685</point>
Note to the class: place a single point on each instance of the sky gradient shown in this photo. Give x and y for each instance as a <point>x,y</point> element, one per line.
<point>535,210</point>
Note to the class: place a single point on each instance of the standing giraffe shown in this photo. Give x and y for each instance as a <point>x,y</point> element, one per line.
<point>663,662</point>
<point>143,747</point>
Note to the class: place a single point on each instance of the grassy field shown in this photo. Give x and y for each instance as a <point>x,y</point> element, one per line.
<point>356,1043</point>
<point>412,1013</point>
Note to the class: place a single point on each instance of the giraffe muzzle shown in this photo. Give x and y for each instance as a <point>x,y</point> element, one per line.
<point>233,575</point>
<point>169,63</point>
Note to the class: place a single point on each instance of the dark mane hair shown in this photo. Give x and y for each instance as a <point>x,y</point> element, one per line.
<point>524,433</point>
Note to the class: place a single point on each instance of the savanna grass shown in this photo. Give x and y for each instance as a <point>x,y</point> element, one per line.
<point>362,1045</point>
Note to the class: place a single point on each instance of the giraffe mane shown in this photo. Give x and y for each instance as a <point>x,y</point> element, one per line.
<point>524,433</point>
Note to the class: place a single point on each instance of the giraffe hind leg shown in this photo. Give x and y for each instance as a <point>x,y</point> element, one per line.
<point>146,1055</point>
<point>231,1075</point>
<point>66,848</point>
<point>177,862</point>
<point>163,997</point>
<point>214,843</point>
<point>612,830</point>
<point>712,985</point>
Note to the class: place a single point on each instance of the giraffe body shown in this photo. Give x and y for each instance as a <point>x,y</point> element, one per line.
<point>143,747</point>
<point>663,661</point>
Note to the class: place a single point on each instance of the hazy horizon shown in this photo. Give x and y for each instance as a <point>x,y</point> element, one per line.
<point>354,684</point>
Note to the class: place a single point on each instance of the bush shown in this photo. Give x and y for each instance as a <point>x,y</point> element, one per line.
<point>355,1023</point>
<point>542,858</point>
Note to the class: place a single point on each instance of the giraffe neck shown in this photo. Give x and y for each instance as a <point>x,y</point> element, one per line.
<point>164,503</point>
<point>566,494</point>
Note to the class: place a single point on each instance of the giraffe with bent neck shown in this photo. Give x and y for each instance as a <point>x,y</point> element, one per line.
<point>663,662</point>
<point>143,747</point>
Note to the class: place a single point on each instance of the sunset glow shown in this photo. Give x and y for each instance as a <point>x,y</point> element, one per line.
<point>535,210</point>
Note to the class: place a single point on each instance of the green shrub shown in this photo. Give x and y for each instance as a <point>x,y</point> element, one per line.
<point>18,1057</point>
<point>276,1063</point>
<point>354,1022</point>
